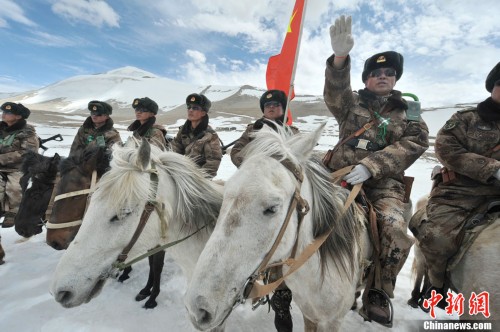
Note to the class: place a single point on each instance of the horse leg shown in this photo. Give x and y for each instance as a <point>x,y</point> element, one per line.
<point>309,326</point>
<point>125,275</point>
<point>2,253</point>
<point>416,293</point>
<point>158,262</point>
<point>146,291</point>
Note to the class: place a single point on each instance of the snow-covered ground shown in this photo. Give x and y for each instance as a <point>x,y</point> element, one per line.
<point>26,304</point>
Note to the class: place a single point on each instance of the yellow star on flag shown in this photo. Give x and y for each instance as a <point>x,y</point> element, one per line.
<point>290,24</point>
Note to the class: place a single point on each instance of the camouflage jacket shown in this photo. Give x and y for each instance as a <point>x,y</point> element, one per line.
<point>395,146</point>
<point>246,138</point>
<point>203,146</point>
<point>465,145</point>
<point>14,142</point>
<point>154,133</point>
<point>88,135</point>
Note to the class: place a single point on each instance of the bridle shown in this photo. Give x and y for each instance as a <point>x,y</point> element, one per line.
<point>55,198</point>
<point>256,285</point>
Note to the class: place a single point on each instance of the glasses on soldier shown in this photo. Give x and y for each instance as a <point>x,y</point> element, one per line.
<point>389,72</point>
<point>7,112</point>
<point>271,104</point>
<point>96,113</point>
<point>195,108</point>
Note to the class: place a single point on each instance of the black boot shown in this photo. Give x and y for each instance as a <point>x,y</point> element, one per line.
<point>442,303</point>
<point>280,302</point>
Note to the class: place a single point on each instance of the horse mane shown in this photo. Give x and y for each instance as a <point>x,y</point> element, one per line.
<point>198,199</point>
<point>39,166</point>
<point>327,204</point>
<point>81,157</point>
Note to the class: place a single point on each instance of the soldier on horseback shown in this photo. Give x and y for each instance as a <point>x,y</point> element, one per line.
<point>467,188</point>
<point>382,138</point>
<point>16,138</point>
<point>97,129</point>
<point>144,126</point>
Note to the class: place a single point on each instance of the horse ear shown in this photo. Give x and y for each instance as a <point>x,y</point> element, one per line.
<point>144,155</point>
<point>302,145</point>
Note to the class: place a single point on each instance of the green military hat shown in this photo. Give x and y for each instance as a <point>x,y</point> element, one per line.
<point>18,109</point>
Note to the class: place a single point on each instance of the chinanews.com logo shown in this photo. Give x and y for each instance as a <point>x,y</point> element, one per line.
<point>478,304</point>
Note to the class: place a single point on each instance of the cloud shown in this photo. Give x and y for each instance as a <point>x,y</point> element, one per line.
<point>93,12</point>
<point>13,12</point>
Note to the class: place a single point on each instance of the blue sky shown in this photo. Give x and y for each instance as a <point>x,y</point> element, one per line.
<point>449,46</point>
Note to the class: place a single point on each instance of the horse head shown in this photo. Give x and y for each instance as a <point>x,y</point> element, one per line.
<point>147,198</point>
<point>273,183</point>
<point>79,173</point>
<point>37,184</point>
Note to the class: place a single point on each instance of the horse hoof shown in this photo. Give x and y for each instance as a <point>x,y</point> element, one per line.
<point>122,278</point>
<point>140,297</point>
<point>412,303</point>
<point>150,305</point>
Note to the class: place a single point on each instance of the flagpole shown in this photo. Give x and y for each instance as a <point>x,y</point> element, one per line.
<point>290,89</point>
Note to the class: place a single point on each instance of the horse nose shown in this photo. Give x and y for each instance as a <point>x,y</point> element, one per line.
<point>201,316</point>
<point>57,245</point>
<point>63,296</point>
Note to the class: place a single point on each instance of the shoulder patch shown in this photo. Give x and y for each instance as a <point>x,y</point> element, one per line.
<point>450,124</point>
<point>413,112</point>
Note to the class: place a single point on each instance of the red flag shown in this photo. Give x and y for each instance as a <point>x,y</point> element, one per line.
<point>281,67</point>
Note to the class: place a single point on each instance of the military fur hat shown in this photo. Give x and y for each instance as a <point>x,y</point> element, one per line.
<point>388,59</point>
<point>200,100</point>
<point>273,95</point>
<point>100,107</point>
<point>18,109</point>
<point>493,76</point>
<point>145,104</point>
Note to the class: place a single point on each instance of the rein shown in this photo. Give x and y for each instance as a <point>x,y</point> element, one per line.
<point>53,199</point>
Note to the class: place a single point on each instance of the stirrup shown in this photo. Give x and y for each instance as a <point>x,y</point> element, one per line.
<point>366,316</point>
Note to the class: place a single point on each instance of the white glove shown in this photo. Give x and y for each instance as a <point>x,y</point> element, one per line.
<point>497,175</point>
<point>340,34</point>
<point>358,174</point>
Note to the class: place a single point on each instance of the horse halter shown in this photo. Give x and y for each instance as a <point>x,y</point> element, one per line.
<point>302,207</point>
<point>53,199</point>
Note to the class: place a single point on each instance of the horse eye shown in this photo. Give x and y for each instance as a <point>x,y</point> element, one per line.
<point>271,210</point>
<point>115,218</point>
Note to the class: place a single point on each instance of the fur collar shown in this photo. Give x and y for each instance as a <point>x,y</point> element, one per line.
<point>489,110</point>
<point>141,130</point>
<point>187,128</point>
<point>88,124</point>
<point>16,126</point>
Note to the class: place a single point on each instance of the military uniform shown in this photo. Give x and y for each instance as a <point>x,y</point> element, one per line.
<point>464,145</point>
<point>14,142</point>
<point>88,136</point>
<point>201,144</point>
<point>392,144</point>
<point>245,139</point>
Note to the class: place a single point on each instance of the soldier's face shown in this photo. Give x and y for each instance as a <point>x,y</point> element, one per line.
<point>495,93</point>
<point>273,110</point>
<point>382,83</point>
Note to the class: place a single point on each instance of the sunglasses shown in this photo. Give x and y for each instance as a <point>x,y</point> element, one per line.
<point>271,104</point>
<point>7,112</point>
<point>195,108</point>
<point>96,113</point>
<point>389,72</point>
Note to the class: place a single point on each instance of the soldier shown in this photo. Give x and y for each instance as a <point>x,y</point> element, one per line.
<point>382,138</point>
<point>16,138</point>
<point>273,106</point>
<point>97,129</point>
<point>145,126</point>
<point>468,146</point>
<point>196,139</point>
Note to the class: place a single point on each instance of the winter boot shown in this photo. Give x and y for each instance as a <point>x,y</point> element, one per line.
<point>377,308</point>
<point>280,302</point>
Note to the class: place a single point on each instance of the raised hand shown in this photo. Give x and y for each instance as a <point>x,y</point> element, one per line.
<point>341,37</point>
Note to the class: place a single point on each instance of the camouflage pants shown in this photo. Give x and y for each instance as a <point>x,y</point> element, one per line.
<point>439,237</point>
<point>10,192</point>
<point>395,242</point>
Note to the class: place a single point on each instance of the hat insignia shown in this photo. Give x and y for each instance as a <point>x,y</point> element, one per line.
<point>269,95</point>
<point>381,59</point>
<point>193,98</point>
<point>94,108</point>
<point>136,101</point>
<point>8,107</point>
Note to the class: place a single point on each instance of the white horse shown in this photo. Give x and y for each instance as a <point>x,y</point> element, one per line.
<point>255,205</point>
<point>476,272</point>
<point>186,200</point>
